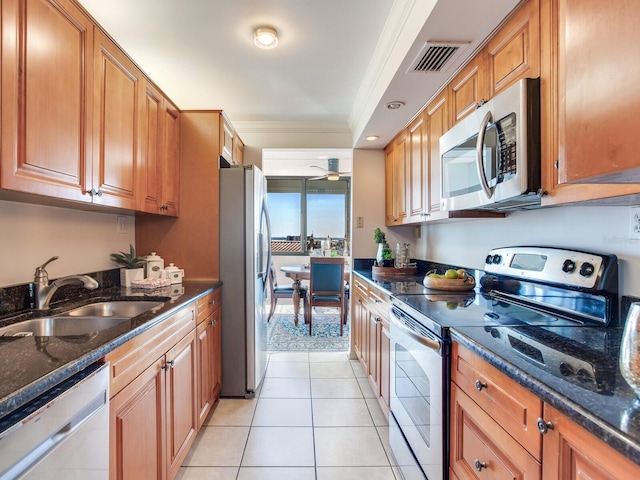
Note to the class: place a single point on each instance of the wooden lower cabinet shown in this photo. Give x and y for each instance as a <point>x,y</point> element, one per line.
<point>136,428</point>
<point>164,382</point>
<point>180,391</point>
<point>486,442</point>
<point>370,328</point>
<point>570,452</point>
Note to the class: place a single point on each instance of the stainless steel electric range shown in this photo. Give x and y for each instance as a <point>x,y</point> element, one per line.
<point>527,298</point>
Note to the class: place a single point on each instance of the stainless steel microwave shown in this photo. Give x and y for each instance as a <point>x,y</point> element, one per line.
<point>491,159</point>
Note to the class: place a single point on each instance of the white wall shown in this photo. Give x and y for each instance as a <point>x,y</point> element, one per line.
<point>31,234</point>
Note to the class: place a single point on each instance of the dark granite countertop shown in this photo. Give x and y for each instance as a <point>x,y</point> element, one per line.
<point>33,365</point>
<point>604,405</point>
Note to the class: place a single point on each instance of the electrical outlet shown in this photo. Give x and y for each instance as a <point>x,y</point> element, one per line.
<point>359,222</point>
<point>634,223</point>
<point>121,225</point>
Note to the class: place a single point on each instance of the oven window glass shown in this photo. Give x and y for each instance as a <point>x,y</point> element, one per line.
<point>412,388</point>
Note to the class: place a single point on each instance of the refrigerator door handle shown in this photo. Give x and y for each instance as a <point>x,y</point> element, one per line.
<point>267,222</point>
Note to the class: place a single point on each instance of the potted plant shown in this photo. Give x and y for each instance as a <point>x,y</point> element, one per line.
<point>381,239</point>
<point>387,257</point>
<point>132,266</point>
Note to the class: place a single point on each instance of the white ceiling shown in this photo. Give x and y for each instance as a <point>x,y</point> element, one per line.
<point>337,64</point>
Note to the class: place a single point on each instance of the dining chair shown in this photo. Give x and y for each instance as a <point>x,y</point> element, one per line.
<point>278,291</point>
<point>326,286</point>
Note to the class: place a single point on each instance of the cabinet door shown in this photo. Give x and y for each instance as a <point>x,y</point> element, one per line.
<point>226,140</point>
<point>118,87</point>
<point>206,364</point>
<point>438,122</point>
<point>170,171</point>
<point>151,175</point>
<point>46,98</point>
<point>514,52</point>
<point>418,175</point>
<point>373,331</point>
<point>570,452</point>
<point>469,88</point>
<point>599,95</point>
<point>181,414</point>
<point>395,180</point>
<point>357,315</point>
<point>137,427</point>
<point>385,364</point>
<point>480,448</point>
<point>238,150</point>
<point>216,361</point>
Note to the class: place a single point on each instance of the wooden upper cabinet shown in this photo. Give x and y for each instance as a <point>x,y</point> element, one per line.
<point>418,174</point>
<point>170,171</point>
<point>599,48</point>
<point>238,150</point>
<point>395,180</point>
<point>514,52</point>
<point>151,149</point>
<point>46,98</point>
<point>571,148</point>
<point>117,93</point>
<point>468,90</point>
<point>438,122</point>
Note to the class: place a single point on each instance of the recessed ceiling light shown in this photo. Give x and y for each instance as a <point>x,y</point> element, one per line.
<point>265,37</point>
<point>395,105</point>
<point>371,138</point>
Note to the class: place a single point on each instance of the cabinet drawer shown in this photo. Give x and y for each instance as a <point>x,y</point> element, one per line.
<point>131,359</point>
<point>480,448</point>
<point>206,305</point>
<point>379,303</point>
<point>509,404</point>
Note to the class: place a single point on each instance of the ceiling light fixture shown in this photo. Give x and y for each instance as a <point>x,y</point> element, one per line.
<point>265,37</point>
<point>395,105</point>
<point>372,138</point>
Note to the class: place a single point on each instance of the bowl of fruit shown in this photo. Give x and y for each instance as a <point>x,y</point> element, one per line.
<point>451,280</point>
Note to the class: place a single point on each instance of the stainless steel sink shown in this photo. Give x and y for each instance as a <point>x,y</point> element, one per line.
<point>127,309</point>
<point>60,326</point>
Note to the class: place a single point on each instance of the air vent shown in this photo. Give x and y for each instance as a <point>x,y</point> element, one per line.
<point>434,57</point>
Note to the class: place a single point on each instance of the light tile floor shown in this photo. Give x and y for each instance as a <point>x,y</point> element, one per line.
<point>314,418</point>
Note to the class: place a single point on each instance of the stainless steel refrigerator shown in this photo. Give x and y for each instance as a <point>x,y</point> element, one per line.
<point>245,255</point>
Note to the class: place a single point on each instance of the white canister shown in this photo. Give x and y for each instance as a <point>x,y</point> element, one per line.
<point>174,273</point>
<point>154,265</point>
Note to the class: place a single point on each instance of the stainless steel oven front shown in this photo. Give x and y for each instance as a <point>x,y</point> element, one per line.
<point>418,432</point>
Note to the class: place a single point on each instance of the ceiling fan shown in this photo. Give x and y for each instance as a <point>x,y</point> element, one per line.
<point>333,167</point>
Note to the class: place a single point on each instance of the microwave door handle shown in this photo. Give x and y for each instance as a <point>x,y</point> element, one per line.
<point>480,164</point>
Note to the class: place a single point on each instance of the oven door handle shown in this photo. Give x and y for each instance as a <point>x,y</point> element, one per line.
<point>427,342</point>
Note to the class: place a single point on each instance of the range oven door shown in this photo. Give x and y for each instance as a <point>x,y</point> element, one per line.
<point>419,398</point>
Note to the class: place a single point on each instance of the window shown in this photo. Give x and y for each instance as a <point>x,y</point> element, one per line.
<point>312,210</point>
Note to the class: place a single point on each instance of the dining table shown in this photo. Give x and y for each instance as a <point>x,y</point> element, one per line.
<point>297,273</point>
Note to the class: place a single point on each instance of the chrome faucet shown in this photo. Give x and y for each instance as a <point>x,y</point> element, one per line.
<point>45,290</point>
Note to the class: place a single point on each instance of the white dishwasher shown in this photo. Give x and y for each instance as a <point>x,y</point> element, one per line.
<point>63,434</point>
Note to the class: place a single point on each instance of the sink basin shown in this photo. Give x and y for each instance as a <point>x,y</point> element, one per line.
<point>60,326</point>
<point>113,309</point>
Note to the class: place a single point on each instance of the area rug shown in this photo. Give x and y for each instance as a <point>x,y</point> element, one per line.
<point>284,336</point>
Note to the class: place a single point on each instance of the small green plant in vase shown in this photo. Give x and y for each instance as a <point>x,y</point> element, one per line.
<point>132,266</point>
<point>381,239</point>
<point>387,257</point>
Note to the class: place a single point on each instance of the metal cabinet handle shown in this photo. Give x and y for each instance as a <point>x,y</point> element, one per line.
<point>212,302</point>
<point>168,365</point>
<point>213,322</point>
<point>543,426</point>
<point>480,385</point>
<point>480,465</point>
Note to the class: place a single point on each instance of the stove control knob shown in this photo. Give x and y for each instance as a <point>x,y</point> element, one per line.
<point>488,259</point>
<point>566,370</point>
<point>496,258</point>
<point>568,266</point>
<point>584,376</point>
<point>587,269</point>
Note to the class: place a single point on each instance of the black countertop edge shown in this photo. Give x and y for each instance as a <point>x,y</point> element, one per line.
<point>15,370</point>
<point>611,435</point>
